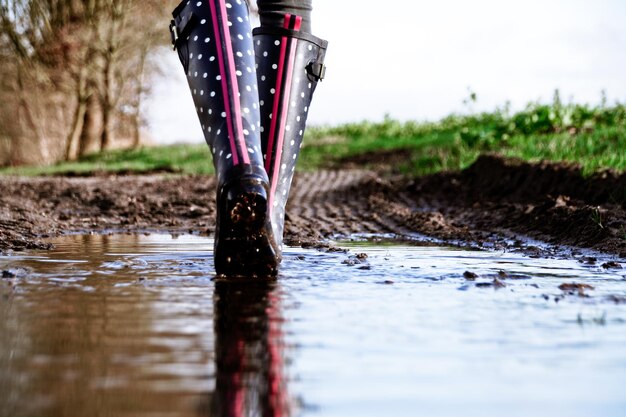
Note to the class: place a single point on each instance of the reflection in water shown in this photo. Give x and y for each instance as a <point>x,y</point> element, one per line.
<point>112,325</point>
<point>76,347</point>
<point>249,351</point>
<point>135,326</point>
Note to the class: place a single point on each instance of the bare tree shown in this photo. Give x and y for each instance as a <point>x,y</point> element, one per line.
<point>76,71</point>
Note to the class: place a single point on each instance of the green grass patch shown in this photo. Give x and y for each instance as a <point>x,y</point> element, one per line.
<point>184,158</point>
<point>593,136</point>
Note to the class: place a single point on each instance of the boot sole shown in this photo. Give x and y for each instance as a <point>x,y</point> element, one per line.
<point>244,245</point>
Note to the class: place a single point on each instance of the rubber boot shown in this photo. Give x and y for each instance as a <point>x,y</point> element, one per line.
<point>290,63</point>
<point>214,43</point>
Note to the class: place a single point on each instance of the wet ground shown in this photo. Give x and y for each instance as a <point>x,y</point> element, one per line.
<point>135,325</point>
<point>494,203</point>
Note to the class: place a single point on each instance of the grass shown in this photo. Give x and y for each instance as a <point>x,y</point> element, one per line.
<point>596,217</point>
<point>185,158</point>
<point>593,136</point>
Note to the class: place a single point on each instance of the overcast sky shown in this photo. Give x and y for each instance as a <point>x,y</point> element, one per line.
<point>417,59</point>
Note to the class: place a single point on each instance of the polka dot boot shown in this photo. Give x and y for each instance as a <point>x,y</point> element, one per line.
<point>289,66</point>
<point>214,43</point>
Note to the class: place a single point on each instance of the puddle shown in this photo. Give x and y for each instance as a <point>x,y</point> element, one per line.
<point>134,325</point>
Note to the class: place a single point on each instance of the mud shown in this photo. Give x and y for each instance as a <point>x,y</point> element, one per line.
<point>495,203</point>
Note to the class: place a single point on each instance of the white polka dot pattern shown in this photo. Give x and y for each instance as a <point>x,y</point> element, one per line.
<point>223,84</point>
<point>285,93</point>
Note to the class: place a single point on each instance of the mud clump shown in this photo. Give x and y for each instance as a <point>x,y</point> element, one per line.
<point>575,288</point>
<point>470,276</point>
<point>358,259</point>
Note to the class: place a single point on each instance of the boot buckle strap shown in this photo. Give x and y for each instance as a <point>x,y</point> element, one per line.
<point>181,26</point>
<point>173,34</point>
<point>317,70</point>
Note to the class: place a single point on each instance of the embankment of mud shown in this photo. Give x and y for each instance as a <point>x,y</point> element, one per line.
<point>493,203</point>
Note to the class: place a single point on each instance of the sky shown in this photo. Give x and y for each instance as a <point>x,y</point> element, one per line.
<point>418,60</point>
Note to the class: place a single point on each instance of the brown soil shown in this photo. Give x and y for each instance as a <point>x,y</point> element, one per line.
<point>494,203</point>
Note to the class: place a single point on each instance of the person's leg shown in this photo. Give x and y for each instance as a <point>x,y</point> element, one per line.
<point>289,66</point>
<point>214,43</point>
<point>272,12</point>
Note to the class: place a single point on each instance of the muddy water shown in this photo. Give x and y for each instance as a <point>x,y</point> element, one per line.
<point>136,326</point>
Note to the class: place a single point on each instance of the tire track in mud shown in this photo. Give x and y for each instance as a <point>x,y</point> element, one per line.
<point>347,202</point>
<point>332,203</point>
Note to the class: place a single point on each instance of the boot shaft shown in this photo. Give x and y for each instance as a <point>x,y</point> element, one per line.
<point>289,66</point>
<point>214,44</point>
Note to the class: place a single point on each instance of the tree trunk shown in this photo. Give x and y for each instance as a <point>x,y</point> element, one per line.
<point>105,138</point>
<point>73,139</point>
<point>138,99</point>
<point>30,129</point>
<point>89,139</point>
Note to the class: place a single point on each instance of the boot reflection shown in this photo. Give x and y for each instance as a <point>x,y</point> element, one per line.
<point>249,351</point>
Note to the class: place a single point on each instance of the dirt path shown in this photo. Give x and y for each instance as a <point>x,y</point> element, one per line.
<point>490,204</point>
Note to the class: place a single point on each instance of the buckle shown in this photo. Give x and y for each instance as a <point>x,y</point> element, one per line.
<point>173,34</point>
<point>316,70</point>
